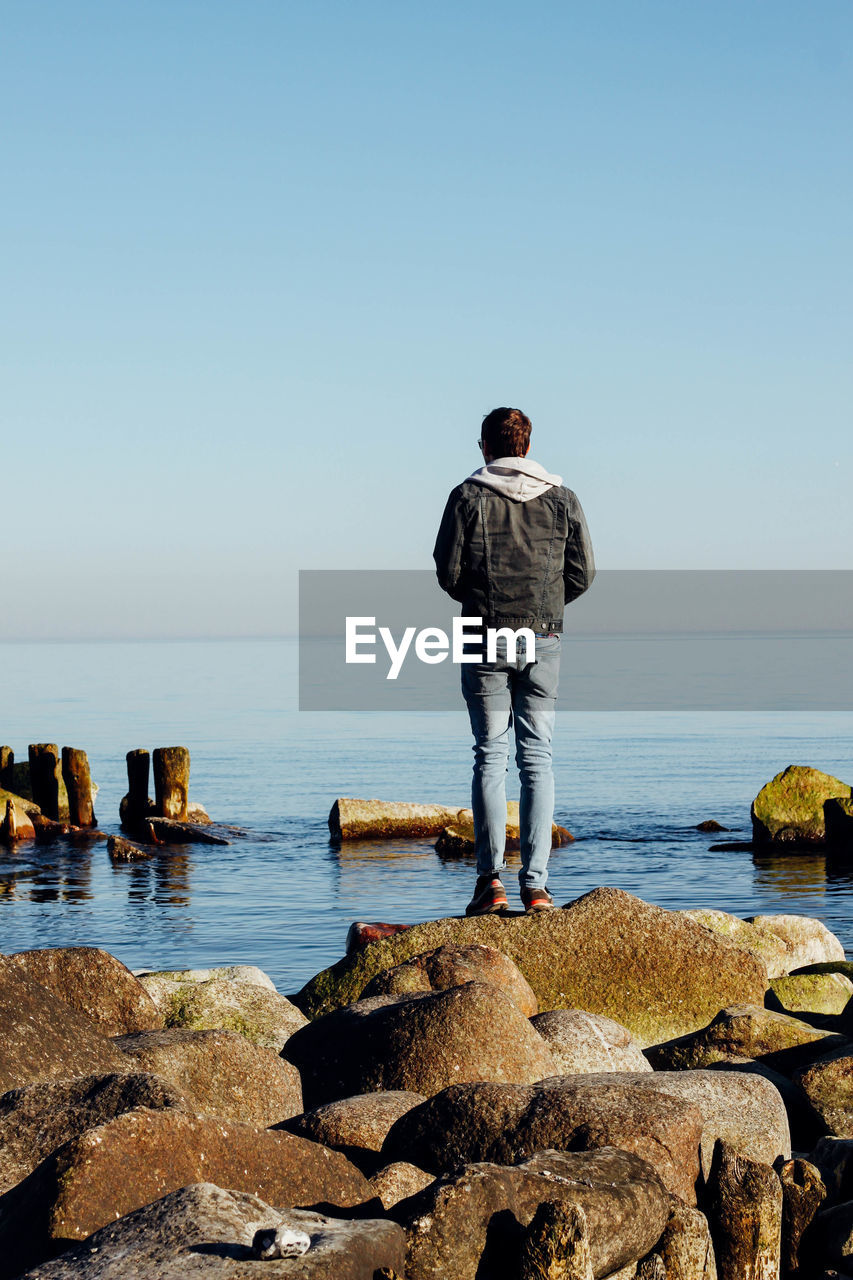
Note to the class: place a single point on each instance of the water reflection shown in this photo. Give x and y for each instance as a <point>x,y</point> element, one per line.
<point>164,879</point>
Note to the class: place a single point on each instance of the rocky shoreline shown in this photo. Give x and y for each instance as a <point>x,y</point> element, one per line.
<point>605,1090</point>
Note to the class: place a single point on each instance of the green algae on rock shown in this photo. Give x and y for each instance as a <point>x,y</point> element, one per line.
<point>656,972</point>
<point>789,809</point>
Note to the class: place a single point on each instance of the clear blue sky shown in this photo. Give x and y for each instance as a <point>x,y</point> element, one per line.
<point>267,264</point>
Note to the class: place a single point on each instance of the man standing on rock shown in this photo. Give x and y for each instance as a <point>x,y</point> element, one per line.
<point>514,549</point>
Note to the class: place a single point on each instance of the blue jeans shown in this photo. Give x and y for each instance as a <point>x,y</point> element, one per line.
<point>523,695</point>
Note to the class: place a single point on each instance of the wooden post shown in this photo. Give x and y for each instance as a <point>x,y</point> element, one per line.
<point>556,1244</point>
<point>171,782</point>
<point>746,1216</point>
<point>135,806</point>
<point>651,1268</point>
<point>803,1193</point>
<point>9,825</point>
<point>7,768</point>
<point>78,784</point>
<point>44,777</point>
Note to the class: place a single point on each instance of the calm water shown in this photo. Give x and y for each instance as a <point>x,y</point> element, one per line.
<point>630,787</point>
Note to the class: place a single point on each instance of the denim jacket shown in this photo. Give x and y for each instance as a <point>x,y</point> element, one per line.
<point>514,562</point>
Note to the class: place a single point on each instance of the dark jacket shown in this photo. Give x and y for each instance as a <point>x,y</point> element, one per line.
<point>513,546</point>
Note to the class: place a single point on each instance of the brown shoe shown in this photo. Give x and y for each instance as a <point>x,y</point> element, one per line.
<point>536,900</point>
<point>489,897</point>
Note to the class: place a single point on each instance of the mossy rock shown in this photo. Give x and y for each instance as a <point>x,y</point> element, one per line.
<point>828,993</point>
<point>789,809</point>
<point>263,1016</point>
<point>656,972</point>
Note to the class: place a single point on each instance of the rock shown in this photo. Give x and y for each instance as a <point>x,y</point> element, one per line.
<point>202,1231</point>
<point>43,1038</point>
<point>15,822</point>
<point>685,1247</point>
<point>789,809</point>
<point>420,1042</point>
<point>583,1042</point>
<point>657,972</point>
<point>808,940</point>
<point>395,1182</point>
<point>834,1230</point>
<point>357,1126</point>
<point>95,984</point>
<point>39,1118</point>
<point>360,934</point>
<point>711,824</point>
<point>746,1217</point>
<point>749,1031</point>
<point>827,993</point>
<point>470,1224</point>
<point>221,1073</point>
<point>352,819</point>
<point>803,1193</point>
<point>828,1085</point>
<point>744,1111</point>
<point>142,1155</point>
<point>219,1002</point>
<point>763,944</point>
<point>172,831</point>
<point>457,838</point>
<point>833,1157</point>
<point>501,1123</point>
<point>838,817</point>
<point>121,850</point>
<point>451,967</point>
<point>802,1121</point>
<point>227,972</point>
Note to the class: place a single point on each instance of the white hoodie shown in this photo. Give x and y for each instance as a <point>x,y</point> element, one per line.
<point>518,478</point>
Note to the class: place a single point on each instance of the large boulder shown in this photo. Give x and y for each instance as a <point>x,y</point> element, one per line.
<point>783,943</point>
<point>828,1085</point>
<point>655,971</point>
<point>582,1042</point>
<point>502,1123</point>
<point>43,1038</point>
<point>469,1224</point>
<point>142,1155</point>
<point>39,1118</point>
<point>205,1232</point>
<point>838,816</point>
<point>748,1031</point>
<point>94,983</point>
<point>220,1073</point>
<point>825,993</point>
<point>451,967</point>
<point>357,1126</point>
<point>834,1158</point>
<point>788,810</point>
<point>223,1002</point>
<point>745,1111</point>
<point>354,819</point>
<point>421,1043</point>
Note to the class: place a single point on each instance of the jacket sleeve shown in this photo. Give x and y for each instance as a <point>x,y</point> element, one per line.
<point>449,549</point>
<point>578,563</point>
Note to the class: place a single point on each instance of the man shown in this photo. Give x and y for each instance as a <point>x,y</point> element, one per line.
<point>514,549</point>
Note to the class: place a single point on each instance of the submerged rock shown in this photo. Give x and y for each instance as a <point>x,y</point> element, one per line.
<point>789,809</point>
<point>451,967</point>
<point>204,1231</point>
<point>470,1224</point>
<point>656,972</point>
<point>95,984</point>
<point>221,1073</point>
<point>353,819</point>
<point>254,1009</point>
<point>457,839</point>
<point>142,1155</point>
<point>420,1042</point>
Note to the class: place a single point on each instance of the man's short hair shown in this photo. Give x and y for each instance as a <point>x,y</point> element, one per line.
<point>506,433</point>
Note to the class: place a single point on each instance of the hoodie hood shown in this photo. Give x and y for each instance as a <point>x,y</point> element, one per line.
<point>517,478</point>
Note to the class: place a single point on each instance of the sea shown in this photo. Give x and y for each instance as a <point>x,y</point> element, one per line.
<point>631,787</point>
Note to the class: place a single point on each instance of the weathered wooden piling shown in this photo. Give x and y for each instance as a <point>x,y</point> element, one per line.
<point>135,806</point>
<point>7,769</point>
<point>556,1244</point>
<point>78,784</point>
<point>171,782</point>
<point>746,1217</point>
<point>44,777</point>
